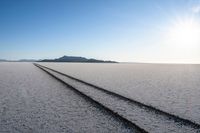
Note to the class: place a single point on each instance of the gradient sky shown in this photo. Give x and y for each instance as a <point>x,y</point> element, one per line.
<point>121,30</point>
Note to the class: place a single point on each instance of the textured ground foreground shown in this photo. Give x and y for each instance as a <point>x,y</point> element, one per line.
<point>174,88</point>
<point>75,97</point>
<point>33,101</point>
<point>146,117</point>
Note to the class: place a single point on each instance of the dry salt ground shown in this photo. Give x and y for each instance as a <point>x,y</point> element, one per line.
<point>33,101</point>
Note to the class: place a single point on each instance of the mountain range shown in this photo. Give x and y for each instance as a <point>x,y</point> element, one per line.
<point>76,59</point>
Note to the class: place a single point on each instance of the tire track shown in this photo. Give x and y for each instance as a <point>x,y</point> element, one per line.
<point>154,119</point>
<point>128,123</point>
<point>32,101</point>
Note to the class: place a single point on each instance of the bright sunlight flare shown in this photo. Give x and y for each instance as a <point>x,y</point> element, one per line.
<point>183,39</point>
<point>185,33</point>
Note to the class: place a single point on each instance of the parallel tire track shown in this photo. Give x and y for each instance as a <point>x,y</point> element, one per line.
<point>95,102</point>
<point>175,118</point>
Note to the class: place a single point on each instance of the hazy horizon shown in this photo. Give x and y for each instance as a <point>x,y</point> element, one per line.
<point>124,31</point>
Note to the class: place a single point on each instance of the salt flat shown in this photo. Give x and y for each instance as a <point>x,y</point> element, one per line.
<point>169,87</point>
<point>148,118</point>
<point>33,101</point>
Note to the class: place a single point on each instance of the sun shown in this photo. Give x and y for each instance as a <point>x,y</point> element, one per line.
<point>184,38</point>
<point>181,42</point>
<point>185,33</point>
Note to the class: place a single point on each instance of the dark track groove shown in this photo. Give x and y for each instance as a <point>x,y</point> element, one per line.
<point>150,108</point>
<point>94,101</point>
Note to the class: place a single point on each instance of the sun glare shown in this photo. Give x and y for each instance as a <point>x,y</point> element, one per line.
<point>184,36</point>
<point>185,32</point>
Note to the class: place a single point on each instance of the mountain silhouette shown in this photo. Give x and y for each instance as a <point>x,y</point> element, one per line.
<point>76,59</point>
<point>2,60</point>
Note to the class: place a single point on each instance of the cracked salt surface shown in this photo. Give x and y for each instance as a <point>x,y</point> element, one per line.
<point>169,87</point>
<point>32,101</point>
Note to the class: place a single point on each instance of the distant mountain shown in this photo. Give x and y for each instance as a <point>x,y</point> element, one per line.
<point>27,60</point>
<point>76,59</point>
<point>2,60</point>
<point>22,60</point>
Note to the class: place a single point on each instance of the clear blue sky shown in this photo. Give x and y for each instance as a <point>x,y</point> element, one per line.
<point>122,30</point>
